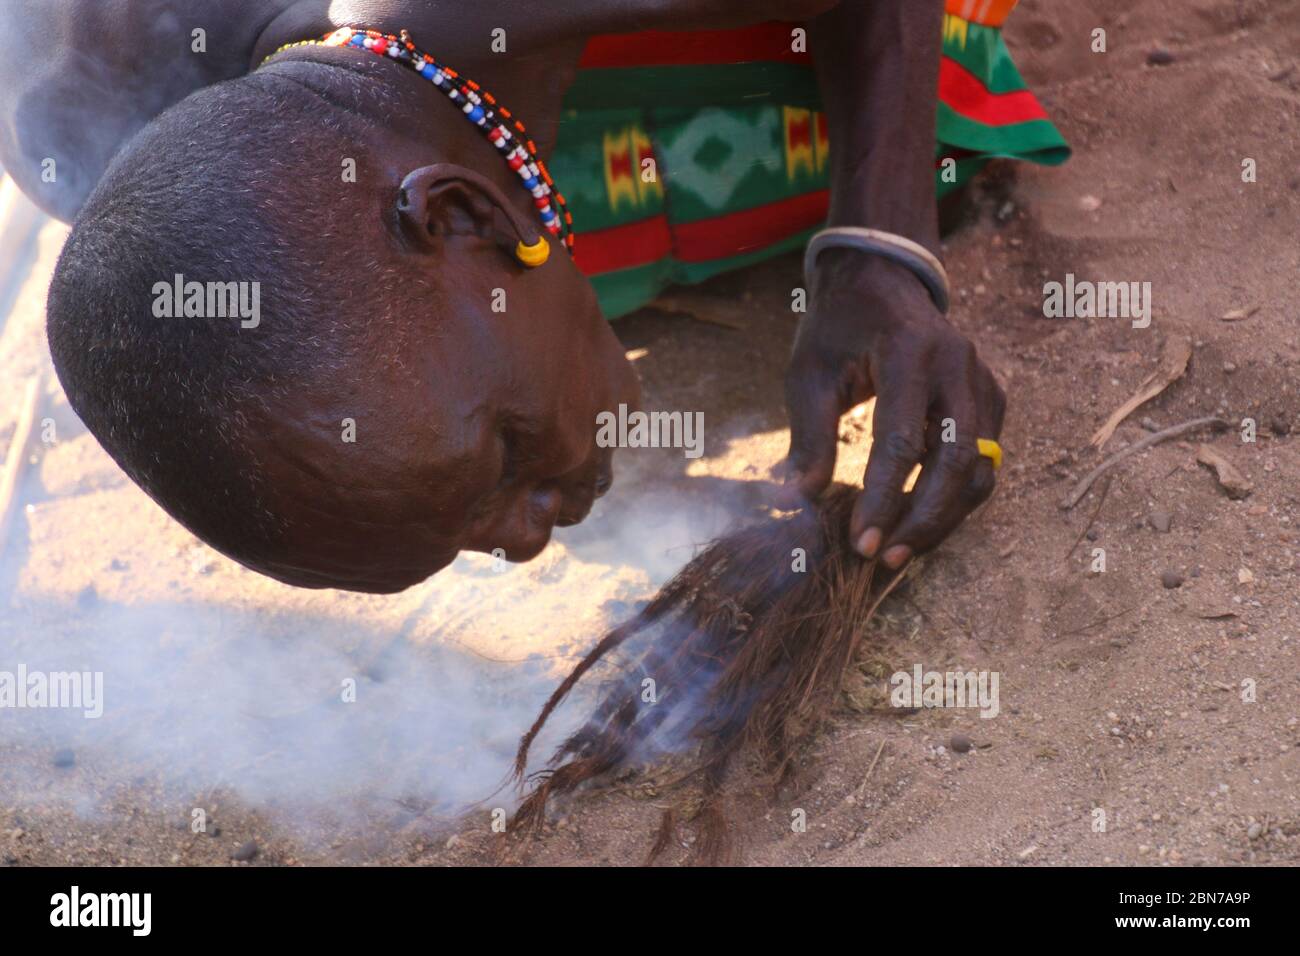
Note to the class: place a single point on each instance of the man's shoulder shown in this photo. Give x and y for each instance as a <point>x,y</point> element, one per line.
<point>79,78</point>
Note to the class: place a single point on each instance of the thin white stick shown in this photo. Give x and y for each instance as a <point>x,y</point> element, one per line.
<point>13,465</point>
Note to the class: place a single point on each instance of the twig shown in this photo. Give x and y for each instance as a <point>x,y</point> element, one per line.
<point>671,306</point>
<point>862,787</point>
<point>17,447</point>
<point>1101,500</point>
<point>1178,352</point>
<point>1098,623</point>
<point>1156,438</point>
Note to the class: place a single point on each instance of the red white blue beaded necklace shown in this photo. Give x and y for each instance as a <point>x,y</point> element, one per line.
<point>480,108</point>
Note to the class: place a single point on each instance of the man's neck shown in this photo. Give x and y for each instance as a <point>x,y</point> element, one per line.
<point>530,79</point>
<point>421,124</point>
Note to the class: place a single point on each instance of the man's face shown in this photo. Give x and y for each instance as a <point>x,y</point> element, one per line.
<point>552,370</point>
<point>453,405</point>
<point>474,403</point>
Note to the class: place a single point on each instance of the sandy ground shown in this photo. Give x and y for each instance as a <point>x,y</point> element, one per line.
<point>1117,693</point>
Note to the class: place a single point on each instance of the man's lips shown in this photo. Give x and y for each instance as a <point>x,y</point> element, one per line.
<point>576,507</point>
<point>578,499</point>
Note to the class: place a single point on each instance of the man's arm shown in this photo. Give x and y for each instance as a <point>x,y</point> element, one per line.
<point>78,78</point>
<point>873,328</point>
<point>877,64</point>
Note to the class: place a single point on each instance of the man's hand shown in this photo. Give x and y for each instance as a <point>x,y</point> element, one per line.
<point>874,331</point>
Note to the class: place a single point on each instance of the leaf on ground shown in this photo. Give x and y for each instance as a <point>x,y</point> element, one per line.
<point>1232,481</point>
<point>1236,315</point>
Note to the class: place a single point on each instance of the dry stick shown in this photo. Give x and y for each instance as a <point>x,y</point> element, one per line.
<point>1101,500</point>
<point>17,446</point>
<point>1082,487</point>
<point>1098,623</point>
<point>862,787</point>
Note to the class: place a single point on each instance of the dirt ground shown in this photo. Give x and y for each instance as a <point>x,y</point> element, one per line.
<point>1118,693</point>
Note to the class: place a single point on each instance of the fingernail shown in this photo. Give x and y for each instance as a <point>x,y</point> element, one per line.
<point>896,556</point>
<point>869,542</point>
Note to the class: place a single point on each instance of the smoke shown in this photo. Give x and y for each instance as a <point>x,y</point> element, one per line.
<point>307,716</point>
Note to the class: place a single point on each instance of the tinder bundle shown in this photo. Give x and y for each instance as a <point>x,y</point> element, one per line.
<point>740,654</point>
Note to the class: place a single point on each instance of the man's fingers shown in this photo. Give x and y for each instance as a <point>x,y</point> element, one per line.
<point>955,478</point>
<point>954,481</point>
<point>898,443</point>
<point>814,438</point>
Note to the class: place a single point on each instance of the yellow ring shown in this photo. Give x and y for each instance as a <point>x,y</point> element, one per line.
<point>990,450</point>
<point>534,255</point>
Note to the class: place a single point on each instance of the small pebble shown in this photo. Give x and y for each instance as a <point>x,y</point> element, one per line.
<point>1160,57</point>
<point>1253,831</point>
<point>1162,521</point>
<point>64,758</point>
<point>1149,424</point>
<point>1171,580</point>
<point>245,852</point>
<point>960,743</point>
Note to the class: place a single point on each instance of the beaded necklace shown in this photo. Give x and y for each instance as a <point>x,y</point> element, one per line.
<point>482,109</point>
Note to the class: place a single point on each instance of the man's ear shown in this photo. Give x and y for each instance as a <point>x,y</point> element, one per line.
<point>446,200</point>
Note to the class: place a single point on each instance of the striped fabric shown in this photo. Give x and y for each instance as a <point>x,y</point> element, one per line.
<point>684,155</point>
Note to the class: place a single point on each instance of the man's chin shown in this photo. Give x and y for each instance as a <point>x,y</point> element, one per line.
<point>519,552</point>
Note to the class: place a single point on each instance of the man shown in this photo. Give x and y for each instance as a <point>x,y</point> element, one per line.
<point>427,362</point>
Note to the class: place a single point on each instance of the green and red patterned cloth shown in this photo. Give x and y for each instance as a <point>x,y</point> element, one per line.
<point>740,149</point>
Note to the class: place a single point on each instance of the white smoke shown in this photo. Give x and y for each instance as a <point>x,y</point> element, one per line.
<point>205,697</point>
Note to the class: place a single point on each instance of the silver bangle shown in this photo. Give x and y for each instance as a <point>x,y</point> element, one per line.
<point>923,263</point>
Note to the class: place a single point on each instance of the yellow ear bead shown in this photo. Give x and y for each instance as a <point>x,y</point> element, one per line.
<point>990,450</point>
<point>534,255</point>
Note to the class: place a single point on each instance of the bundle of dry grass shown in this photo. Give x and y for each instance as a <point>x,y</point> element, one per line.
<point>745,647</point>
